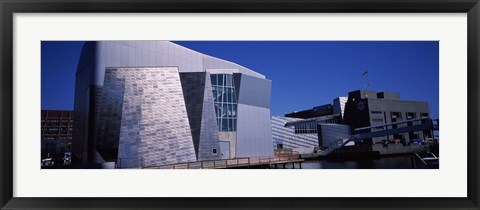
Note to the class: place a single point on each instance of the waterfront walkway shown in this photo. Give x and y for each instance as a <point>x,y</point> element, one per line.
<point>242,162</point>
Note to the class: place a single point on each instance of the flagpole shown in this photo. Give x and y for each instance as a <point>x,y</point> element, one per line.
<point>369,83</point>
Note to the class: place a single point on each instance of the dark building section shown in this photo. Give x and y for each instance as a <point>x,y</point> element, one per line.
<point>56,137</point>
<point>369,108</point>
<point>200,109</point>
<point>193,86</point>
<point>329,134</point>
<point>333,110</point>
<point>317,111</point>
<point>108,109</point>
<point>84,93</point>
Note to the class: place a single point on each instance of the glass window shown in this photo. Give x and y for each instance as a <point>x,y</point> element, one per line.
<point>219,94</point>
<point>234,97</point>
<point>229,94</point>
<point>225,101</point>
<point>213,77</point>
<point>230,124</point>
<point>224,111</point>
<point>220,80</point>
<point>216,109</point>
<point>224,92</point>
<point>215,93</point>
<point>234,110</point>
<point>224,125</point>
<point>229,80</point>
<point>230,110</point>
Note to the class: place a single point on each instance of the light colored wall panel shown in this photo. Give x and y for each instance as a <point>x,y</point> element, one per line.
<point>254,131</point>
<point>255,91</point>
<point>225,150</point>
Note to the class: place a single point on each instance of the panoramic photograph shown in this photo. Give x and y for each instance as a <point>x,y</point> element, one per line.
<point>156,104</point>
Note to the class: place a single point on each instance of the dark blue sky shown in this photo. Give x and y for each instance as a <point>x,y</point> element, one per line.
<point>304,74</point>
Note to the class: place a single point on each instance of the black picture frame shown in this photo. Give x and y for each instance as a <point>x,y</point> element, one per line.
<point>10,7</point>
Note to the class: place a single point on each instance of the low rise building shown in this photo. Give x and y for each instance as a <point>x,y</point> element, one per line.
<point>374,117</point>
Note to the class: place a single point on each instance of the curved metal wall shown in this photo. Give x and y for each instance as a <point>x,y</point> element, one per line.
<point>97,56</point>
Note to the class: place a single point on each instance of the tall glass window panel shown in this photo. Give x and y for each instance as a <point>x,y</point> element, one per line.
<point>229,95</point>
<point>224,111</point>
<point>234,111</point>
<point>213,78</point>
<point>220,80</point>
<point>229,111</point>
<point>225,101</point>
<point>216,109</point>
<point>224,124</point>
<point>220,94</point>
<point>230,124</point>
<point>229,80</point>
<point>214,91</point>
<point>234,97</point>
<point>224,92</point>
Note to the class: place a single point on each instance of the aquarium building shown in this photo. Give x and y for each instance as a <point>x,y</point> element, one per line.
<point>149,103</point>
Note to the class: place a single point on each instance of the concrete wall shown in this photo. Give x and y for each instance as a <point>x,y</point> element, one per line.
<point>381,109</point>
<point>367,108</point>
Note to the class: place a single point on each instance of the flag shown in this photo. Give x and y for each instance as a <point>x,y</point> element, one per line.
<point>365,73</point>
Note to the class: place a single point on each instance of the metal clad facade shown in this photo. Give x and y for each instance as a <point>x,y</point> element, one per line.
<point>255,91</point>
<point>254,131</point>
<point>154,128</point>
<point>286,135</point>
<point>197,92</point>
<point>158,56</point>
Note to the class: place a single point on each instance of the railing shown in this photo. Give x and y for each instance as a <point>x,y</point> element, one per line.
<point>226,163</point>
<point>337,145</point>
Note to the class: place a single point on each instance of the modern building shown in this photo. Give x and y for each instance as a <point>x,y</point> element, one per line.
<point>144,103</point>
<point>364,112</point>
<point>286,138</point>
<point>366,108</point>
<point>334,110</point>
<point>57,134</point>
<point>313,121</point>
